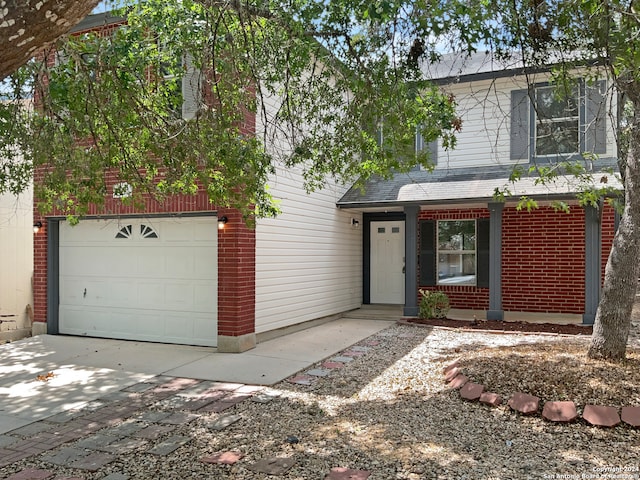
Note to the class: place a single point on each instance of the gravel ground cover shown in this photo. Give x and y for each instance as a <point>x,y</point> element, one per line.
<point>390,413</point>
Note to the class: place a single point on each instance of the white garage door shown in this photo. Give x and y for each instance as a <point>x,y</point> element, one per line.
<point>140,279</point>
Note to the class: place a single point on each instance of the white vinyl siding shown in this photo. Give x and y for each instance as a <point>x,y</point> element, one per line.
<point>308,259</point>
<point>16,250</point>
<point>484,139</point>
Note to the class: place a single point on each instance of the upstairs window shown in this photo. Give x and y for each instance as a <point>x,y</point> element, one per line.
<point>547,124</point>
<point>557,123</point>
<point>182,82</point>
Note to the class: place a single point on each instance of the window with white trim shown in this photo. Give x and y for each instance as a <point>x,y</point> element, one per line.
<point>456,252</point>
<point>557,127</point>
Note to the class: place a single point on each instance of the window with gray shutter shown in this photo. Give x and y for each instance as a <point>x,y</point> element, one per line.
<point>557,126</point>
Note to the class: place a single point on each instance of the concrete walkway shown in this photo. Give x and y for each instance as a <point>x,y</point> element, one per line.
<point>84,369</point>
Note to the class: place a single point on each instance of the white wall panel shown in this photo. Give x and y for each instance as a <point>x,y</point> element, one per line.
<point>16,259</point>
<point>309,258</point>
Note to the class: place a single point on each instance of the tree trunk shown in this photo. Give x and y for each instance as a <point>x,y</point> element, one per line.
<point>613,317</point>
<point>27,25</point>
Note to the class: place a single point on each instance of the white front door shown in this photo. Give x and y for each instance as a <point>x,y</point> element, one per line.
<point>387,262</point>
<point>153,279</point>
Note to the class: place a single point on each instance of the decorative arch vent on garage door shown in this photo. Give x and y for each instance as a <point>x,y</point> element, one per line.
<point>145,232</point>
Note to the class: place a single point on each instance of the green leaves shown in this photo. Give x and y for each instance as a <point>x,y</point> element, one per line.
<point>301,84</point>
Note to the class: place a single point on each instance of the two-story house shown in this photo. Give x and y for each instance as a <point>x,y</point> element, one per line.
<point>188,272</point>
<point>444,230</point>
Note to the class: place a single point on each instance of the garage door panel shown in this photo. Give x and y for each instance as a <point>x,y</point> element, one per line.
<point>178,232</point>
<point>202,232</point>
<point>202,327</point>
<point>84,292</point>
<point>204,266</point>
<point>150,262</point>
<point>151,295</point>
<point>182,264</point>
<point>205,297</point>
<point>79,323</point>
<point>179,296</point>
<point>175,326</point>
<point>162,287</point>
<point>96,260</point>
<point>124,292</point>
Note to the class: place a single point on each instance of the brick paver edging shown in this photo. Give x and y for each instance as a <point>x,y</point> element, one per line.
<point>555,411</point>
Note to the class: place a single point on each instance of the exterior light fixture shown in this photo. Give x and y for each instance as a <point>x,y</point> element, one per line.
<point>222,222</point>
<point>355,223</point>
<point>37,226</point>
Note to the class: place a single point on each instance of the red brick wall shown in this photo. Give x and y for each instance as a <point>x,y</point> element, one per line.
<point>460,296</point>
<point>543,260</point>
<point>236,276</point>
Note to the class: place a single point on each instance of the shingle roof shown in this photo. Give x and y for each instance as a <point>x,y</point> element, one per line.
<point>458,186</point>
<point>453,67</point>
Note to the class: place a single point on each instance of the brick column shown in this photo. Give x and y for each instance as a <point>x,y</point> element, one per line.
<point>236,284</point>
<point>40,276</point>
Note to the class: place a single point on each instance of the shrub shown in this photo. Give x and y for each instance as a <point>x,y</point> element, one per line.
<point>433,304</point>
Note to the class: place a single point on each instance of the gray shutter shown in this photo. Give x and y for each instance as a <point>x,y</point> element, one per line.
<point>432,146</point>
<point>191,89</point>
<point>482,259</point>
<point>433,152</point>
<point>427,259</point>
<point>595,118</point>
<point>520,125</point>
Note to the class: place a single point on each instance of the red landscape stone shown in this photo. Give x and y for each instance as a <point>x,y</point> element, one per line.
<point>223,458</point>
<point>492,399</point>
<point>451,374</point>
<point>560,411</point>
<point>524,403</point>
<point>352,353</point>
<point>631,416</point>
<point>458,382</point>
<point>601,416</point>
<point>471,391</point>
<point>456,363</point>
<point>329,364</point>
<point>302,379</point>
<point>342,473</point>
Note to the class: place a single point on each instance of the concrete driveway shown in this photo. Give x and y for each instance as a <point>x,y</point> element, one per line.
<point>45,375</point>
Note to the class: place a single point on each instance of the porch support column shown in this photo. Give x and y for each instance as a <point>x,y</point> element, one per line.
<point>411,260</point>
<point>592,256</point>
<point>495,311</point>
